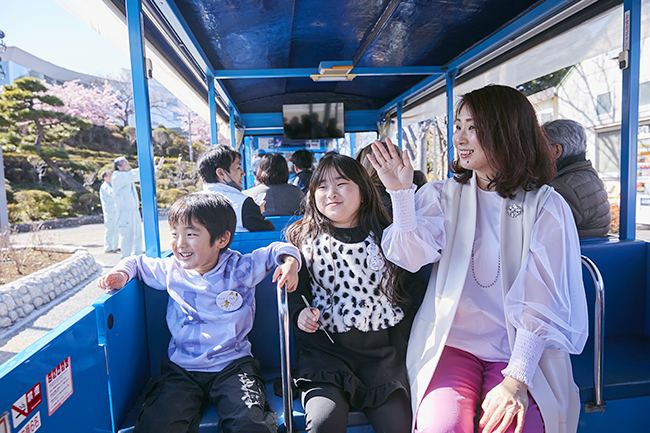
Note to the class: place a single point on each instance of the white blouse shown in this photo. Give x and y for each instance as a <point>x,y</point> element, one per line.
<point>546,301</point>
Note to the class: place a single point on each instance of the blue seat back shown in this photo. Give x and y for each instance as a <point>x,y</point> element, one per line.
<point>623,267</point>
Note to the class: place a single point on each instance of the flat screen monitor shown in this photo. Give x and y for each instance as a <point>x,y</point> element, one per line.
<point>313,121</point>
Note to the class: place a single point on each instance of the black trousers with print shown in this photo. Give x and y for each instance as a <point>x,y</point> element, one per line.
<point>237,392</point>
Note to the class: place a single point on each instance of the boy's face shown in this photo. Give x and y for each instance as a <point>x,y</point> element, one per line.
<point>191,247</point>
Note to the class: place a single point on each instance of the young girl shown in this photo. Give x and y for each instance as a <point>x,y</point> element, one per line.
<point>358,300</point>
<point>505,304</point>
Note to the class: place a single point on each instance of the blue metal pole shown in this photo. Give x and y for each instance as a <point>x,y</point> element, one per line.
<point>214,132</point>
<point>353,136</point>
<point>450,80</point>
<point>143,128</point>
<point>233,140</point>
<point>630,117</point>
<point>400,107</point>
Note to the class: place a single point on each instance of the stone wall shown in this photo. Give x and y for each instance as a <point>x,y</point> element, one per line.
<point>69,222</point>
<point>19,298</point>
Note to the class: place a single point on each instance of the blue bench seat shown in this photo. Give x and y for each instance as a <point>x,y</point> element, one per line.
<point>626,343</point>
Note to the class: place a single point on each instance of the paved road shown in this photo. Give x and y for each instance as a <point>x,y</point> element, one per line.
<point>30,328</point>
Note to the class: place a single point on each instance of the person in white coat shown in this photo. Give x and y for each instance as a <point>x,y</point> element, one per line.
<point>107,198</point>
<point>505,304</point>
<point>127,203</point>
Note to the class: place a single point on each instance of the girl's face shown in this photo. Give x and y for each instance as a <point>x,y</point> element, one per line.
<point>470,151</point>
<point>338,199</point>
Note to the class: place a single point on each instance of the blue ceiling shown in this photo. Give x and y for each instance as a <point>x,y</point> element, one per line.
<point>271,34</point>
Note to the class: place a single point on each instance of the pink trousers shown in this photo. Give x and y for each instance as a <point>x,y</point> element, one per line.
<point>452,402</point>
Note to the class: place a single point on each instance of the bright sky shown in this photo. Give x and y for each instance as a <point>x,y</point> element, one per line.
<point>46,30</point>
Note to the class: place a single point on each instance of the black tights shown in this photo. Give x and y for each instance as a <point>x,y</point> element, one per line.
<point>327,407</point>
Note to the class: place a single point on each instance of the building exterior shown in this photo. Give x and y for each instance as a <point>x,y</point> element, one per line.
<point>18,63</point>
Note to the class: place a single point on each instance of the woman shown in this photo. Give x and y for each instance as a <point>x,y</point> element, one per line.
<point>281,198</point>
<point>505,303</point>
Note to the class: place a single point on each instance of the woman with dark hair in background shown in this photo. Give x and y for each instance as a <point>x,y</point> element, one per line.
<point>280,197</point>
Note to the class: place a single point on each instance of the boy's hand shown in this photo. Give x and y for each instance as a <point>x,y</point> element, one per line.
<point>112,281</point>
<point>287,273</point>
<point>308,319</point>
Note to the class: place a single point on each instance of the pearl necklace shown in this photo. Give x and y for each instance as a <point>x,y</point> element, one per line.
<point>495,278</point>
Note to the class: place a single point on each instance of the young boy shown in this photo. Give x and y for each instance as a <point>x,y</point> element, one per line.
<point>209,314</point>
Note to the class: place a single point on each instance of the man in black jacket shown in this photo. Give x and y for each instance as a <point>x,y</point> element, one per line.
<point>577,180</point>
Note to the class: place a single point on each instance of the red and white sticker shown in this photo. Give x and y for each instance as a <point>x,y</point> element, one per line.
<point>25,405</point>
<point>33,424</point>
<point>58,383</point>
<point>4,423</point>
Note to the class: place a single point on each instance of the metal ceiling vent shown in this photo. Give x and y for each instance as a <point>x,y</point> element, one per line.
<point>334,71</point>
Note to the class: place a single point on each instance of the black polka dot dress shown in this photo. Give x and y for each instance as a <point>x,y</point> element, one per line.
<point>342,276</point>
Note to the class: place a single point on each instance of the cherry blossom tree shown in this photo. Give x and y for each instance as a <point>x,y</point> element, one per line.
<point>194,125</point>
<point>98,104</point>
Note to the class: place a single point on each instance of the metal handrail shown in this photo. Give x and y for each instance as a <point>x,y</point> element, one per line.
<point>598,405</point>
<point>285,358</point>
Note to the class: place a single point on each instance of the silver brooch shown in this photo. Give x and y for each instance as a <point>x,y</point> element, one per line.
<point>375,258</point>
<point>514,210</point>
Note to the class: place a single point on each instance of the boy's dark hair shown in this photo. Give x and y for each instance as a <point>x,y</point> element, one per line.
<point>212,211</point>
<point>371,216</point>
<point>515,145</point>
<point>303,159</point>
<point>273,169</point>
<point>218,156</point>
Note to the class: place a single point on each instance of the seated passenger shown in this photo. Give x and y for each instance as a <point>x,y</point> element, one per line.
<point>362,157</point>
<point>353,318</point>
<point>577,180</point>
<point>419,179</point>
<point>210,313</point>
<point>281,198</point>
<point>220,168</point>
<point>302,161</point>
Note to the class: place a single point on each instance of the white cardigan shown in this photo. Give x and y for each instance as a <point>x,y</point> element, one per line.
<point>439,226</point>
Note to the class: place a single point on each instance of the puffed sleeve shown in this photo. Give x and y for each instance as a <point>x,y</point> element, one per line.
<point>417,234</point>
<point>546,303</point>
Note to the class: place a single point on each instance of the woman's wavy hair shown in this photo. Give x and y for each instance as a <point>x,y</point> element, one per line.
<point>371,216</point>
<point>514,144</point>
<point>273,169</point>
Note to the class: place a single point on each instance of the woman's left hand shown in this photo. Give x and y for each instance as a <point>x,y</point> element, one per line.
<point>504,404</point>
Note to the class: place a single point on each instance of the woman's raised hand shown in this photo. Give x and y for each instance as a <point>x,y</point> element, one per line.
<point>395,173</point>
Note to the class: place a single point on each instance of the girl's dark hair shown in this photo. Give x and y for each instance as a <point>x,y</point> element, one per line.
<point>212,211</point>
<point>273,169</point>
<point>217,156</point>
<point>514,144</point>
<point>371,216</point>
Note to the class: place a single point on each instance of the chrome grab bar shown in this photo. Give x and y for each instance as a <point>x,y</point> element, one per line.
<point>285,358</point>
<point>598,405</point>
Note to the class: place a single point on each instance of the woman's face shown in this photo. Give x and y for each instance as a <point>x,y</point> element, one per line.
<point>470,152</point>
<point>338,199</point>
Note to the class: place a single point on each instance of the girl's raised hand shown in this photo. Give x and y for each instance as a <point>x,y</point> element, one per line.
<point>395,173</point>
<point>112,281</point>
<point>308,319</point>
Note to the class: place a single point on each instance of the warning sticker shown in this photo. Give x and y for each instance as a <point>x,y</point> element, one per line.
<point>32,425</point>
<point>58,384</point>
<point>4,423</point>
<point>25,405</point>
